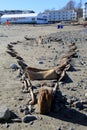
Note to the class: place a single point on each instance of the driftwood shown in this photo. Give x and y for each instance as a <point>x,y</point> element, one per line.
<point>41,74</point>
<point>30,73</point>
<point>28,86</point>
<point>45,74</point>
<point>69,54</point>
<point>46,94</point>
<point>44,100</point>
<point>45,97</point>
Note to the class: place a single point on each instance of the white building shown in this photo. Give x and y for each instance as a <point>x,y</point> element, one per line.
<point>61,15</point>
<point>24,18</point>
<point>85,11</point>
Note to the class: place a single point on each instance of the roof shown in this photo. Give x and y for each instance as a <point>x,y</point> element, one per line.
<point>19,15</point>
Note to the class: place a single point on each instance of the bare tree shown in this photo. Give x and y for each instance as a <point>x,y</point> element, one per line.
<point>79,9</point>
<point>70,5</point>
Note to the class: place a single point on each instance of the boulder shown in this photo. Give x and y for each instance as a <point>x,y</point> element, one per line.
<point>4,113</point>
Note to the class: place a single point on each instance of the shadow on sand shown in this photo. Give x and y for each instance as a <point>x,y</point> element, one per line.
<point>70,115</point>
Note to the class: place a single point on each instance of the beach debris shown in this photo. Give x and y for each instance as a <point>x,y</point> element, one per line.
<point>39,74</point>
<point>49,97</point>
<point>45,74</point>
<point>46,95</point>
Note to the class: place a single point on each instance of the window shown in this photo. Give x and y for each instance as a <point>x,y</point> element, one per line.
<point>33,19</point>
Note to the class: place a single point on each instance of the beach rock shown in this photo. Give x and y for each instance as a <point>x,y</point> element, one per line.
<point>6,125</point>
<point>20,98</point>
<point>4,113</point>
<point>41,62</point>
<point>28,118</point>
<point>13,66</point>
<point>26,110</point>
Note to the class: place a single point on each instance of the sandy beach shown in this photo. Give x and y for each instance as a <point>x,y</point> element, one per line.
<point>44,56</point>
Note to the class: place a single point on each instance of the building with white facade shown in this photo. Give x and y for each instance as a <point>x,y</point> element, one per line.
<point>50,16</point>
<point>60,15</point>
<point>85,11</point>
<point>32,18</point>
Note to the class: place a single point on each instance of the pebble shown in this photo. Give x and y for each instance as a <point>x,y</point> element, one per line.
<point>7,125</point>
<point>28,118</point>
<point>20,98</point>
<point>49,46</point>
<point>14,67</point>
<point>41,62</point>
<point>25,109</point>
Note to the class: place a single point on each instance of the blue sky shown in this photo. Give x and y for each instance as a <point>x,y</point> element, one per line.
<point>35,5</point>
